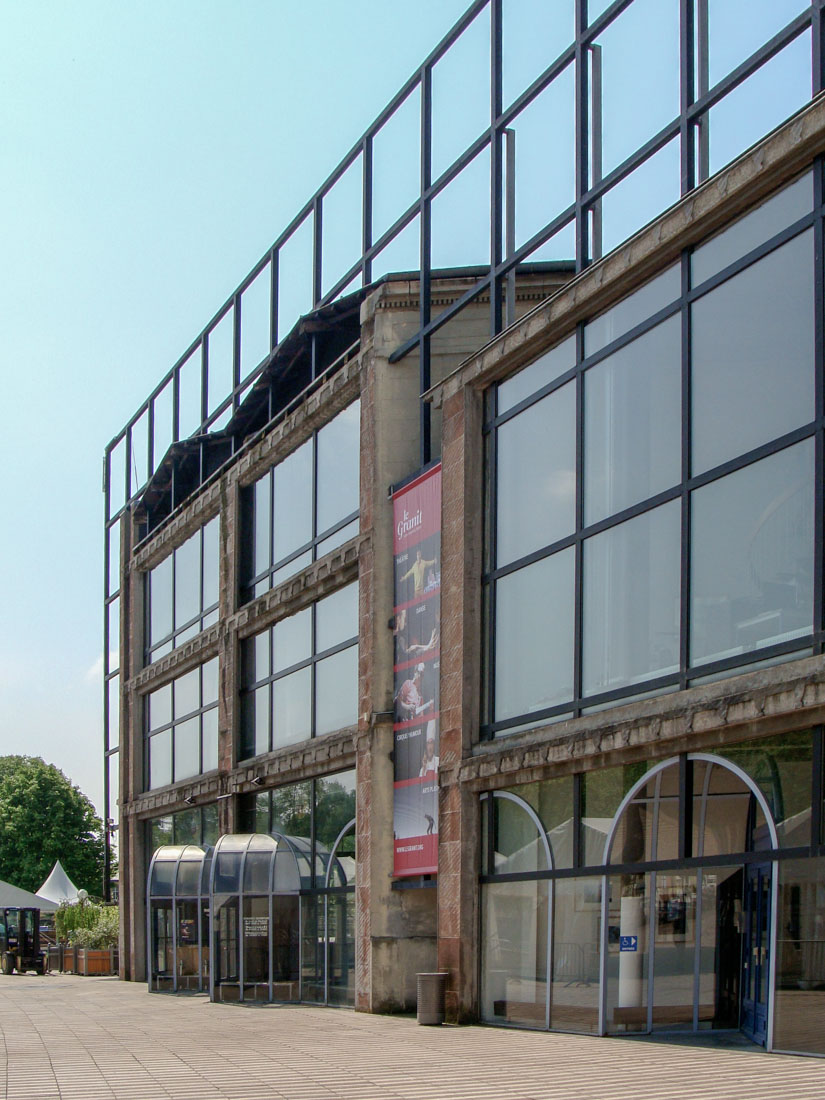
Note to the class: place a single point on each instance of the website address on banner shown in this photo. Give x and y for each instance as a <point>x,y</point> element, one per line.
<point>410,848</point>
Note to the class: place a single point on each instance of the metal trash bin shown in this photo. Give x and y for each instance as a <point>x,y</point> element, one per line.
<point>431,989</point>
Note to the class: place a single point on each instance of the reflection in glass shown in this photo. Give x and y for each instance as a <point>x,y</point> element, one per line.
<point>291,641</point>
<point>632,310</point>
<point>519,845</point>
<point>631,601</point>
<point>628,953</point>
<point>210,740</point>
<point>187,693</point>
<point>338,467</point>
<point>753,355</point>
<point>536,476</point>
<point>291,717</point>
<point>552,800</point>
<point>292,521</point>
<point>160,759</point>
<point>674,934</point>
<point>514,952</point>
<point>632,409</point>
<point>602,793</point>
<point>638,198</point>
<point>336,618</point>
<point>577,923</point>
<point>336,691</point>
<point>187,748</point>
<point>532,378</point>
<point>777,212</point>
<point>800,957</point>
<point>534,630</point>
<point>752,557</point>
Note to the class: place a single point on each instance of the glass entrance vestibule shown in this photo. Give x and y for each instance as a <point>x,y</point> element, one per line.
<point>252,920</point>
<point>685,894</point>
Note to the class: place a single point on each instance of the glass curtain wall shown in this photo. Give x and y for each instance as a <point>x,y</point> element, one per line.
<point>302,508</point>
<point>182,593</point>
<point>178,919</point>
<point>181,727</point>
<point>667,531</point>
<point>687,888</point>
<point>300,677</point>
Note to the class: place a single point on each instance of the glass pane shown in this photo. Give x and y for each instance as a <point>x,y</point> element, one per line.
<point>675,938</point>
<point>291,701</point>
<point>160,832</point>
<point>752,557</point>
<point>293,502</point>
<point>627,953</point>
<point>552,799</point>
<point>460,218</point>
<point>209,819</point>
<point>631,311</point>
<point>534,636</point>
<point>160,759</point>
<point>292,810</point>
<point>633,836</point>
<point>159,705</point>
<point>188,580</point>
<point>577,923</point>
<point>632,411</point>
<point>187,828</point>
<point>725,818</point>
<point>113,768</point>
<point>800,957</point>
<point>291,640</point>
<point>336,618</point>
<point>262,505</point>
<point>211,534</point>
<point>631,601</point>
<point>341,226</point>
<point>259,737</point>
<point>753,355</point>
<point>336,691</point>
<point>531,379</point>
<point>209,682</point>
<point>342,535</point>
<point>519,844</point>
<point>114,558</point>
<point>187,749</point>
<point>737,28</point>
<point>782,768</point>
<point>295,277</point>
<point>113,693</point>
<point>187,693</point>
<point>160,601</point>
<point>338,467</point>
<point>536,476</point>
<point>210,739</point>
<point>396,165</point>
<point>779,211</point>
<point>514,953</point>
<point>334,806</point>
<point>461,94</point>
<point>602,793</point>
<point>255,308</point>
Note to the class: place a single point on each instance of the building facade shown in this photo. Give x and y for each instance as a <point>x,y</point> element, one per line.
<point>628,674</point>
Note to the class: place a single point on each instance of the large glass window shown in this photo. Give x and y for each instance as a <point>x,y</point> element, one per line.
<point>650,504</point>
<point>182,593</point>
<point>300,677</point>
<point>302,508</point>
<point>181,722</point>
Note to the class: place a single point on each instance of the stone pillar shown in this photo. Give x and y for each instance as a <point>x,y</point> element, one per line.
<point>458,848</point>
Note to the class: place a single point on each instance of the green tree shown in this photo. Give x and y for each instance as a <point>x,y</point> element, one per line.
<point>45,817</point>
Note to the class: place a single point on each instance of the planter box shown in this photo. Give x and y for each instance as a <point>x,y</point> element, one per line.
<point>95,961</point>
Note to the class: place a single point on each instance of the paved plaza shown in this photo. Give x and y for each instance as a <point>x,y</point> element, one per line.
<point>71,1037</point>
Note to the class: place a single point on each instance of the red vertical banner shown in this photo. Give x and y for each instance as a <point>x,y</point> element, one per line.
<point>416,662</point>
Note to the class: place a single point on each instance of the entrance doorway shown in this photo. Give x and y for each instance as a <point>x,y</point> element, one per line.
<point>756,952</point>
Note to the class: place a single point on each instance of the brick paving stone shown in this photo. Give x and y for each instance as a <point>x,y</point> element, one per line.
<point>68,1038</point>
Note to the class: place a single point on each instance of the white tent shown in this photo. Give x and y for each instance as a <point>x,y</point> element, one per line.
<point>14,895</point>
<point>58,886</point>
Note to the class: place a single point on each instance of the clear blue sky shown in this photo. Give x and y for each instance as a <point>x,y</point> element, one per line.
<point>149,154</point>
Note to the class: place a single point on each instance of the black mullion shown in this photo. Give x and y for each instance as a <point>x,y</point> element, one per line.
<point>492,551</point>
<point>751,64</point>
<point>752,257</point>
<point>578,569</point>
<point>684,493</point>
<point>578,815</point>
<point>425,259</point>
<point>274,259</point>
<point>818,787</point>
<point>204,378</point>
<point>496,165</point>
<point>819,391</point>
<point>443,317</point>
<point>686,94</point>
<point>581,136</point>
<point>533,398</point>
<point>317,249</point>
<point>236,349</point>
<point>750,657</point>
<point>817,48</point>
<point>765,450</point>
<point>732,859</point>
<point>593,30</point>
<point>491,833</point>
<point>366,211</point>
<point>312,684</point>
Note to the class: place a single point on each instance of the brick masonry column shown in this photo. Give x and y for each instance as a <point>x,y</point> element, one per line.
<point>461,552</point>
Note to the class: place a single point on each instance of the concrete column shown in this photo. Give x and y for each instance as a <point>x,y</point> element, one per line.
<point>458,849</point>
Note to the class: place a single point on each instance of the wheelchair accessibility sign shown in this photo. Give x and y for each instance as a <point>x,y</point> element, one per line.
<point>628,943</point>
